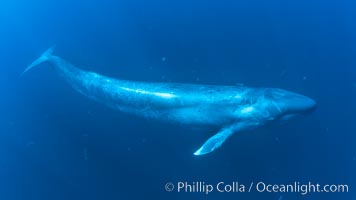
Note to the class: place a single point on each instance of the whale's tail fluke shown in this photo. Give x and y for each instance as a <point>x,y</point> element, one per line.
<point>43,58</point>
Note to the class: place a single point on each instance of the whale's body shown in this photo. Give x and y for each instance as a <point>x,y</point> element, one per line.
<point>232,108</point>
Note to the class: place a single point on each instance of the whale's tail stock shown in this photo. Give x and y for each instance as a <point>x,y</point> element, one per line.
<point>43,58</point>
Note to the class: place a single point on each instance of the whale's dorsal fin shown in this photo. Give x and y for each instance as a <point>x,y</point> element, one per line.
<point>218,139</point>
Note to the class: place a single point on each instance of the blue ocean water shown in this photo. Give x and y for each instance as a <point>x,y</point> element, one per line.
<point>57,144</point>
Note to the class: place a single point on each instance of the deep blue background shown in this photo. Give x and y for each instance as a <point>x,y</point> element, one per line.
<point>56,144</point>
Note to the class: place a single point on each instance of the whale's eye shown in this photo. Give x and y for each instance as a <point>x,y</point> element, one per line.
<point>244,102</point>
<point>248,102</point>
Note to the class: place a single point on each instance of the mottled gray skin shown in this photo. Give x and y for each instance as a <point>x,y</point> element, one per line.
<point>233,108</point>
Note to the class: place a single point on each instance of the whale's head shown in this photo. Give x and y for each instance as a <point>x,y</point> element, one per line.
<point>285,104</point>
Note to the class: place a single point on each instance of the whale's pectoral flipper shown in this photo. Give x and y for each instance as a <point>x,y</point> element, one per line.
<point>218,139</point>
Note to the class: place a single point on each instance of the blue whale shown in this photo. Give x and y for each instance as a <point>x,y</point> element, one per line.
<point>231,108</point>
